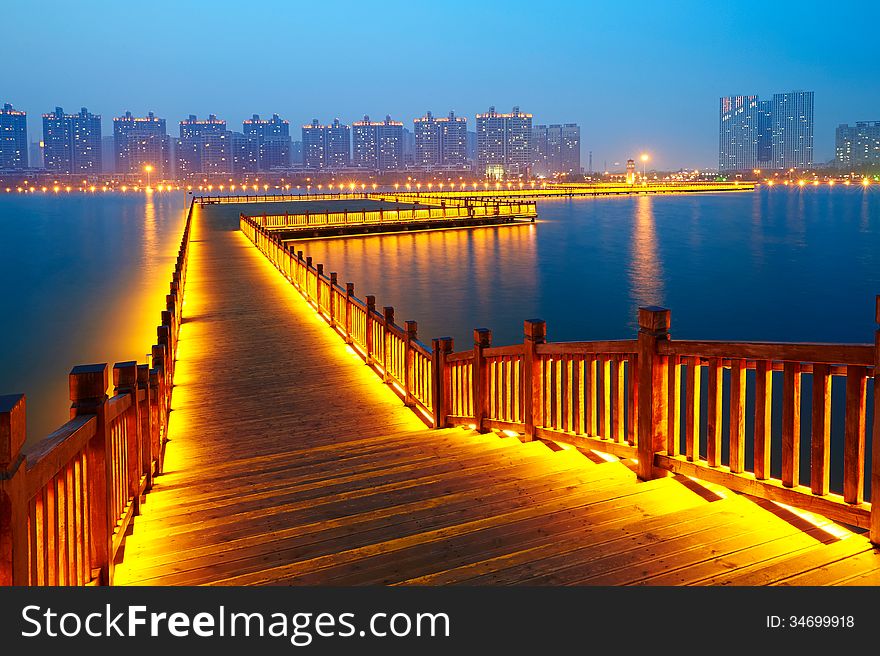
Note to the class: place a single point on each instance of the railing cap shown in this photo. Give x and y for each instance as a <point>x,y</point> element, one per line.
<point>654,318</point>
<point>89,381</point>
<point>444,344</point>
<point>13,427</point>
<point>482,337</point>
<point>125,374</point>
<point>535,329</point>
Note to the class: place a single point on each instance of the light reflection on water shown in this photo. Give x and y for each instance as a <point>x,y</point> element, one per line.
<point>85,280</point>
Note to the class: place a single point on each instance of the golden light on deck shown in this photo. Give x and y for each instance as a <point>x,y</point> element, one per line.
<point>818,521</point>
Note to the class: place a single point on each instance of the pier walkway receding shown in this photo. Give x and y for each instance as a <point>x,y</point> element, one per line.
<point>288,462</point>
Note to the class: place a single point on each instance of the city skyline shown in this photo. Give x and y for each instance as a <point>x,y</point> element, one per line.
<point>599,68</point>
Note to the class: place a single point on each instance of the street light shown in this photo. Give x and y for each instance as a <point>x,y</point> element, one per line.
<point>644,159</point>
<point>148,169</point>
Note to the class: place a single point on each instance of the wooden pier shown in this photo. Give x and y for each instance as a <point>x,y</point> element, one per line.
<point>314,440</point>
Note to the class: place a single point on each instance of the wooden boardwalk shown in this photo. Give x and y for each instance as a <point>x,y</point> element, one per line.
<point>288,463</point>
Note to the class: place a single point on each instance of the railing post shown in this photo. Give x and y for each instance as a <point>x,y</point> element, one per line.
<point>441,347</point>
<point>535,332</point>
<point>371,307</point>
<point>308,273</point>
<point>125,382</point>
<point>482,340</point>
<point>300,278</point>
<point>13,493</point>
<point>88,396</point>
<point>349,292</point>
<point>332,299</point>
<point>875,436</point>
<point>408,362</point>
<point>146,414</point>
<point>653,388</point>
<point>388,316</point>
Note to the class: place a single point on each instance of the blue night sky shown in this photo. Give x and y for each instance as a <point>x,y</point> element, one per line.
<point>636,75</point>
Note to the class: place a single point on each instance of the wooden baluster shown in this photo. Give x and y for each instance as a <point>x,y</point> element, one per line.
<point>370,327</point>
<point>552,416</point>
<point>125,382</point>
<point>480,378</point>
<point>632,407</point>
<point>673,441</point>
<point>441,380</point>
<point>146,415</point>
<point>737,416</point>
<point>300,274</point>
<point>854,435</point>
<point>653,387</point>
<point>820,438</point>
<point>875,436</point>
<point>763,415</point>
<point>14,566</point>
<point>603,381</point>
<point>349,292</point>
<point>577,365</point>
<point>319,293</point>
<point>409,377</point>
<point>387,355</point>
<point>332,299</point>
<point>618,400</point>
<point>565,393</point>
<point>88,396</point>
<point>535,333</point>
<point>160,423</point>
<point>713,412</point>
<point>590,410</point>
<point>791,424</point>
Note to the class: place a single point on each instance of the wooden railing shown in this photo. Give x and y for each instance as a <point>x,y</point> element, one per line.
<point>393,352</point>
<point>639,399</point>
<point>67,501</point>
<point>456,210</point>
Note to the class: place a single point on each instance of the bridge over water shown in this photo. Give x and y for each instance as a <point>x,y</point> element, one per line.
<point>288,432</point>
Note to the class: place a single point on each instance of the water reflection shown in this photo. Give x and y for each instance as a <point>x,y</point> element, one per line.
<point>645,268</point>
<point>89,277</point>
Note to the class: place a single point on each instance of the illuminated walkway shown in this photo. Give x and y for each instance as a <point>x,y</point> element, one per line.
<point>289,463</point>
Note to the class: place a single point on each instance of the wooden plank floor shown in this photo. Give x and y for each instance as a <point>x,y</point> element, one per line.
<point>289,463</point>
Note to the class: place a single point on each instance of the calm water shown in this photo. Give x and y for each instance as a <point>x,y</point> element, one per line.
<point>86,276</point>
<point>86,279</point>
<point>778,264</point>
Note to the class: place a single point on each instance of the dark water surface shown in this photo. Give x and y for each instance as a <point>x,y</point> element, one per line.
<point>85,279</point>
<point>776,264</point>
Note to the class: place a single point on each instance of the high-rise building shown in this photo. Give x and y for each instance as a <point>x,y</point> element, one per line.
<point>440,141</point>
<point>296,153</point>
<point>857,146</point>
<point>72,142</point>
<point>203,147</point>
<point>326,146</point>
<point>504,140</point>
<point>378,146</point>
<point>738,133</point>
<point>765,134</point>
<point>140,142</point>
<point>556,149</point>
<point>244,152</point>
<point>13,138</point>
<point>471,147</point>
<point>792,115</point>
<point>273,140</point>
